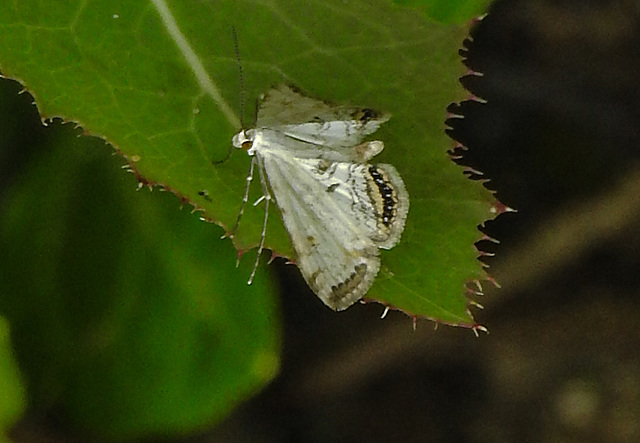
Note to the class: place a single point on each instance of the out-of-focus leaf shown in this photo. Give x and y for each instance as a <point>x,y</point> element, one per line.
<point>12,400</point>
<point>120,312</point>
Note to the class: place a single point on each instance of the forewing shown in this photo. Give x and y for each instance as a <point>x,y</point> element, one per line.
<point>335,253</point>
<point>286,110</point>
<point>273,140</point>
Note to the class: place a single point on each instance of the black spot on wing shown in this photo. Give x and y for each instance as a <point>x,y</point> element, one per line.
<point>350,284</point>
<point>387,194</point>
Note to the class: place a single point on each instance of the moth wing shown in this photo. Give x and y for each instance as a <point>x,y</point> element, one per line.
<point>374,195</point>
<point>335,252</point>
<point>390,200</point>
<point>285,109</point>
<point>275,140</point>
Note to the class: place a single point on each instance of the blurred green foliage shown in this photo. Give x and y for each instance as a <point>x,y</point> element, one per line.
<point>12,400</point>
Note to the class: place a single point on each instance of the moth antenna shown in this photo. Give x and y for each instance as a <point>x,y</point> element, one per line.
<point>236,49</point>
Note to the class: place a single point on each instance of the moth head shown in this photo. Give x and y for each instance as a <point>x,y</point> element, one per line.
<point>243,139</point>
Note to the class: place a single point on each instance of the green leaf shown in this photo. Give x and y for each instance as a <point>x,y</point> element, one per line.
<point>447,11</point>
<point>118,312</point>
<point>159,80</point>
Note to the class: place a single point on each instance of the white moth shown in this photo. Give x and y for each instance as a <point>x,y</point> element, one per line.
<point>338,209</point>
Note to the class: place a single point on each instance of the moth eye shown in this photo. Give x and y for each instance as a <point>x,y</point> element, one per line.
<point>246,145</point>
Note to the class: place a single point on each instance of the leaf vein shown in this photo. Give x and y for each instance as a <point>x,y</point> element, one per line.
<point>194,61</point>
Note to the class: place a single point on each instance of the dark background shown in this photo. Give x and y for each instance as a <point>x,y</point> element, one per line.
<point>559,140</point>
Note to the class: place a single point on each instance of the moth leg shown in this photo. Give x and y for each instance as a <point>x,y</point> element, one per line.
<point>249,178</point>
<point>267,198</point>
